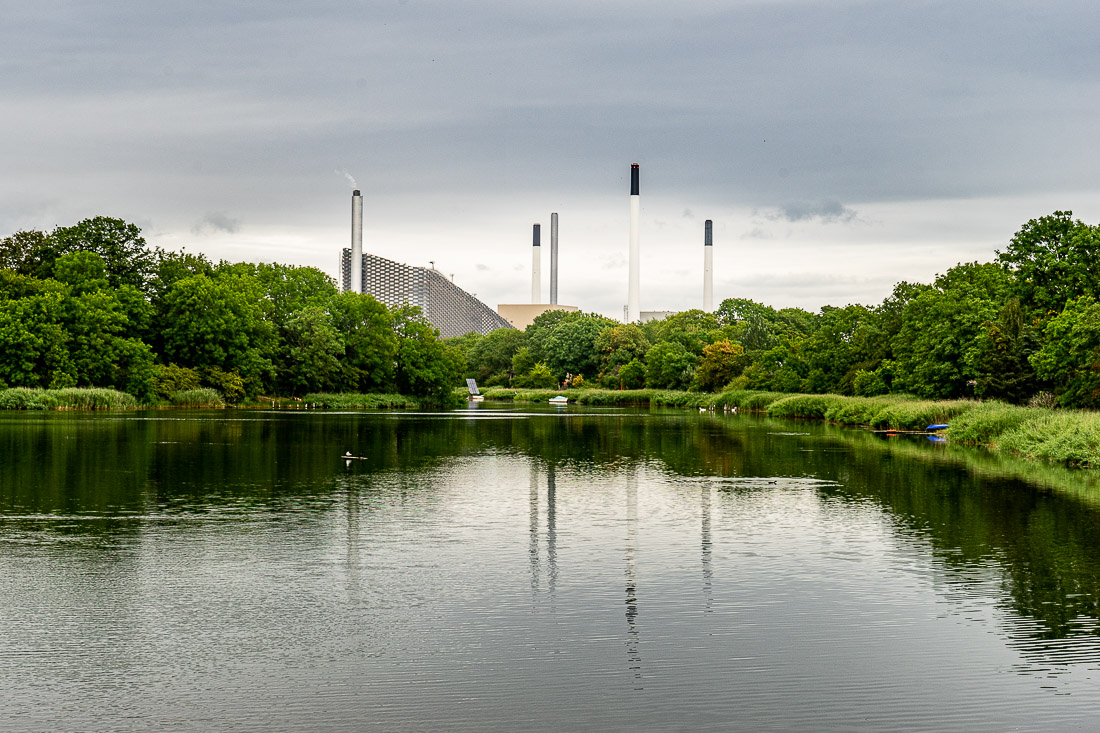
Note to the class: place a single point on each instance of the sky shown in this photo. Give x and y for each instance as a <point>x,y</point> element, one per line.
<point>839,147</point>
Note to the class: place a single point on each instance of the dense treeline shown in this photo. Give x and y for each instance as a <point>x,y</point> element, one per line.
<point>92,305</point>
<point>1025,327</point>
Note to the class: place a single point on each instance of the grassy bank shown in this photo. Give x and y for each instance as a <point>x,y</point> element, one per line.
<point>1070,437</point>
<point>356,401</point>
<point>71,398</point>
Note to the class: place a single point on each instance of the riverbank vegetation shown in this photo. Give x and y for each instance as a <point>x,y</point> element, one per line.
<point>1022,329</point>
<point>92,306</point>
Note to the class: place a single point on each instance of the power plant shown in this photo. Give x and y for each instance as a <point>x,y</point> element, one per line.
<point>449,308</point>
<point>455,312</point>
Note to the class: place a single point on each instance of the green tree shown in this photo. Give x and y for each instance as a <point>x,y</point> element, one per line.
<point>669,365</point>
<point>633,374</point>
<point>369,361</point>
<point>620,344</point>
<point>127,260</point>
<point>722,361</point>
<point>217,322</point>
<point>938,346</point>
<point>570,347</point>
<point>1070,356</point>
<point>425,367</point>
<point>1004,369</point>
<point>1054,258</point>
<point>309,358</point>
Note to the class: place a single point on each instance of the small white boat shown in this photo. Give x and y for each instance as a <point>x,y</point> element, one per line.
<point>559,400</point>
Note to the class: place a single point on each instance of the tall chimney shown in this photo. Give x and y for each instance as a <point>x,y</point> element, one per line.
<point>633,297</point>
<point>536,264</point>
<point>554,259</point>
<point>356,242</point>
<point>708,266</point>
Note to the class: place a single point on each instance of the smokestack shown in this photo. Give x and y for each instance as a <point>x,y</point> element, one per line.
<point>633,297</point>
<point>708,266</point>
<point>356,242</point>
<point>536,264</point>
<point>554,259</point>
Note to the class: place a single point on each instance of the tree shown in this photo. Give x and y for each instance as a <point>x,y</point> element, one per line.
<point>425,367</point>
<point>21,252</point>
<point>1070,356</point>
<point>670,365</point>
<point>309,358</point>
<point>570,347</point>
<point>126,258</point>
<point>620,344</point>
<point>1054,258</point>
<point>938,345</point>
<point>633,374</point>
<point>1003,366</point>
<point>217,321</point>
<point>722,361</point>
<point>369,361</point>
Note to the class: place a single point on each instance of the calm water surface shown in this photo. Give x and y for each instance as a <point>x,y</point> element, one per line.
<point>522,569</point>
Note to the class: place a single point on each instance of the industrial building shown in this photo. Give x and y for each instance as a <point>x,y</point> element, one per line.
<point>449,308</point>
<point>446,306</point>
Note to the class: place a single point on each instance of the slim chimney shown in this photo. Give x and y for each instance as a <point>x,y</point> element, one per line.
<point>708,266</point>
<point>356,242</point>
<point>554,259</point>
<point>536,264</point>
<point>633,298</point>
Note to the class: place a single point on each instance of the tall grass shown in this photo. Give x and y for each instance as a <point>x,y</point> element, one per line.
<point>70,398</point>
<point>357,401</point>
<point>201,398</point>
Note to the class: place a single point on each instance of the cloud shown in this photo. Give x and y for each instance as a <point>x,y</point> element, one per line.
<point>828,212</point>
<point>217,221</point>
<point>482,268</point>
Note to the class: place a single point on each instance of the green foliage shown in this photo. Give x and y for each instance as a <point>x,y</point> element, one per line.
<point>811,406</point>
<point>633,374</point>
<point>1054,259</point>
<point>171,378</point>
<point>570,346</point>
<point>201,398</point>
<point>938,347</point>
<point>722,361</point>
<point>71,398</point>
<point>619,345</point>
<point>539,377</point>
<point>27,398</point>
<point>669,365</point>
<point>1056,435</point>
<point>1070,356</point>
<point>355,401</point>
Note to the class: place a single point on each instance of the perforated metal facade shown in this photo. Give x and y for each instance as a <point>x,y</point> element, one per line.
<point>446,306</point>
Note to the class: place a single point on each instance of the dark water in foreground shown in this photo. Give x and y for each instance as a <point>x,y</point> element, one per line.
<point>524,569</point>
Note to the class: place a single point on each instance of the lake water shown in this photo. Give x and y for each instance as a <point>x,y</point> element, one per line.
<point>531,569</point>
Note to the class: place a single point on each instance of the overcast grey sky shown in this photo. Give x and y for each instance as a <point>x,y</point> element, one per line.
<point>838,146</point>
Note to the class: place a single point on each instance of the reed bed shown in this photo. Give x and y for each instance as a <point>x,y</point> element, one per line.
<point>201,398</point>
<point>69,398</point>
<point>358,401</point>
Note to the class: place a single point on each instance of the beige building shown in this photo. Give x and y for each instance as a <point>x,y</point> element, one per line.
<point>522,315</point>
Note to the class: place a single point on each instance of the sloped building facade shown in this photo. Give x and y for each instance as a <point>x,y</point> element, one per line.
<point>446,306</point>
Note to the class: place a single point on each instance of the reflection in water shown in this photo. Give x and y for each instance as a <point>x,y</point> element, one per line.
<point>704,544</point>
<point>534,549</point>
<point>633,642</point>
<point>236,560</point>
